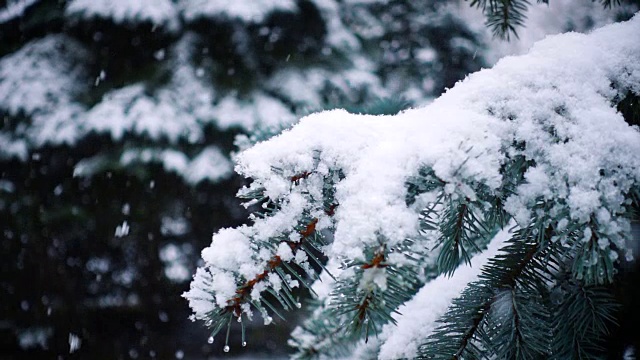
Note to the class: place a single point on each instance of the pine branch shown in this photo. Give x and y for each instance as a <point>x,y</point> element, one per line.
<point>463,224</point>
<point>374,291</point>
<point>503,16</point>
<point>222,317</point>
<point>470,327</point>
<point>321,335</point>
<point>309,241</point>
<point>583,316</point>
<point>609,4</point>
<point>461,228</point>
<point>592,264</point>
<point>358,306</point>
<point>273,264</point>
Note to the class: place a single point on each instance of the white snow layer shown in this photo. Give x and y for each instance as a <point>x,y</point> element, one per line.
<point>14,9</point>
<point>556,17</point>
<point>252,11</point>
<point>131,110</point>
<point>419,315</point>
<point>557,99</point>
<point>563,86</point>
<point>158,12</point>
<point>40,81</point>
<point>210,164</point>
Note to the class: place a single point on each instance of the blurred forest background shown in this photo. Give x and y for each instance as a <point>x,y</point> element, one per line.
<point>118,124</point>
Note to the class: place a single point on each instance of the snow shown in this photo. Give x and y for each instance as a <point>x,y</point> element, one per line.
<point>542,20</point>
<point>208,165</point>
<point>48,81</point>
<point>357,28</point>
<point>188,91</point>
<point>41,81</point>
<point>131,110</point>
<point>211,164</point>
<point>338,34</point>
<point>45,79</point>
<point>7,186</point>
<point>258,108</point>
<point>34,337</point>
<point>307,87</point>
<point>176,261</point>
<point>12,148</point>
<point>122,230</point>
<point>376,154</point>
<point>429,304</point>
<point>14,9</point>
<point>557,100</point>
<point>158,12</point>
<point>115,301</point>
<point>74,343</point>
<point>248,11</point>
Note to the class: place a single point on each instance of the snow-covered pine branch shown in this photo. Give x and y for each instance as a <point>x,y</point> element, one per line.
<point>399,205</point>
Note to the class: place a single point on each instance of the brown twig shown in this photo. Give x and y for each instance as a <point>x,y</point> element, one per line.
<point>245,290</point>
<point>300,176</point>
<point>377,261</point>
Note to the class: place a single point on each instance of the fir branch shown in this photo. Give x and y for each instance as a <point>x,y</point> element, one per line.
<point>303,175</point>
<point>326,334</point>
<point>273,264</point>
<point>426,181</point>
<point>506,313</point>
<point>468,329</point>
<point>309,241</point>
<point>593,265</point>
<point>583,317</point>
<point>460,228</point>
<point>633,212</point>
<point>363,302</point>
<point>235,307</point>
<point>503,16</point>
<point>464,225</point>
<point>512,172</point>
<point>321,335</point>
<point>609,4</point>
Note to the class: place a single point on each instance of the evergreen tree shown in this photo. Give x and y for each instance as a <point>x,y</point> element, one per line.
<point>506,17</point>
<point>118,120</point>
<point>494,223</point>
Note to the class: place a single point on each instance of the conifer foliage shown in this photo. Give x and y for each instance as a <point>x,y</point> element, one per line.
<point>492,223</point>
<point>505,17</point>
<point>117,123</point>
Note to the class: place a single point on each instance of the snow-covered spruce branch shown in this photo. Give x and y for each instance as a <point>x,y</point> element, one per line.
<point>504,17</point>
<point>400,205</point>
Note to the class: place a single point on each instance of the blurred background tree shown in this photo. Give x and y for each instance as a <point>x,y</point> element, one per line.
<point>118,122</point>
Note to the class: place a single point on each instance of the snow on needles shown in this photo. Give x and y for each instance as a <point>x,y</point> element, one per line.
<point>41,80</point>
<point>14,9</point>
<point>429,304</point>
<point>157,12</point>
<point>254,10</point>
<point>557,100</point>
<point>376,154</point>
